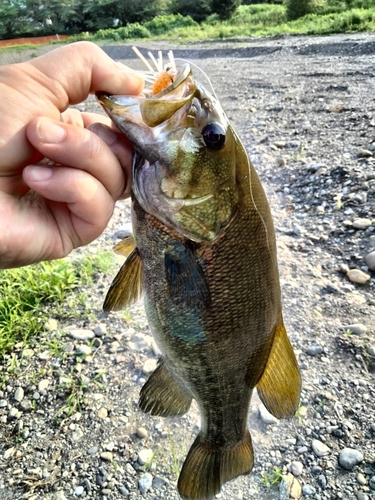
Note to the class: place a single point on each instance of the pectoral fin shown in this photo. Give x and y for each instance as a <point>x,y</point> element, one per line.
<point>127,285</point>
<point>125,247</point>
<point>186,279</point>
<point>280,385</point>
<point>162,395</point>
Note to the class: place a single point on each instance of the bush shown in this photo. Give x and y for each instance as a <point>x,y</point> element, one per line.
<point>225,8</point>
<point>198,10</point>
<point>299,8</point>
<point>162,24</point>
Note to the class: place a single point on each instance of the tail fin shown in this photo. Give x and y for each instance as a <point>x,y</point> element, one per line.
<point>206,468</point>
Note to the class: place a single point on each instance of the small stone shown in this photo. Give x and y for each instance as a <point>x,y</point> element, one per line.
<point>158,482</point>
<point>320,449</point>
<point>19,394</point>
<point>110,446</point>
<point>362,223</point>
<point>122,490</point>
<point>106,455</point>
<point>372,483</point>
<point>100,330</point>
<point>77,435</point>
<point>44,356</point>
<point>9,453</point>
<point>92,450</point>
<point>349,457</point>
<point>149,366</point>
<point>362,496</point>
<point>51,324</point>
<point>296,468</point>
<point>361,479</point>
<point>84,350</point>
<point>78,491</point>
<point>356,328</point>
<point>314,350</point>
<point>25,405</point>
<point>103,413</point>
<point>266,416</point>
<point>124,231</point>
<point>289,488</point>
<point>322,481</point>
<point>142,432</point>
<point>43,384</point>
<point>308,490</point>
<point>370,260</point>
<point>145,483</point>
<point>145,456</point>
<point>130,469</point>
<point>82,334</point>
<point>358,277</point>
<point>364,153</point>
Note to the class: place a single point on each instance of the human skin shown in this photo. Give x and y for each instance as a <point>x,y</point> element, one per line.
<point>61,171</point>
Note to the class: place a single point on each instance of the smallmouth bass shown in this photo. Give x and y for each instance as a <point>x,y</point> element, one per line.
<point>204,256</point>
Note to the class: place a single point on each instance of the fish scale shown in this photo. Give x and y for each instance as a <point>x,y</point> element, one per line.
<point>207,266</point>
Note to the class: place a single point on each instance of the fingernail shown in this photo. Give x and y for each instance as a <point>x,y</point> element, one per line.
<point>104,132</point>
<point>39,174</point>
<point>50,132</point>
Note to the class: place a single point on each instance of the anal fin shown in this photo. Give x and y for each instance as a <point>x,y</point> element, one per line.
<point>125,246</point>
<point>162,395</point>
<point>207,468</point>
<point>280,385</point>
<point>127,285</point>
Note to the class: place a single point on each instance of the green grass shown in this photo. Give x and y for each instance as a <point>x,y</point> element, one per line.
<point>30,295</point>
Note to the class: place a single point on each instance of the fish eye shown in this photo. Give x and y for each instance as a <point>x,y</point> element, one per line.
<point>213,136</point>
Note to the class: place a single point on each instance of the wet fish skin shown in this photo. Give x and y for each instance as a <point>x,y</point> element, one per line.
<point>212,299</point>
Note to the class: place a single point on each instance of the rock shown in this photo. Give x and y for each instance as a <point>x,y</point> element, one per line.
<point>362,496</point>
<point>320,449</point>
<point>103,413</point>
<point>322,481</point>
<point>364,153</point>
<point>51,324</point>
<point>289,488</point>
<point>349,457</point>
<point>122,490</point>
<point>145,456</point>
<point>361,223</point>
<point>370,261</point>
<point>358,277</point>
<point>100,330</point>
<point>125,231</point>
<point>314,350</point>
<point>83,350</point>
<point>296,468</point>
<point>361,479</point>
<point>149,366</point>
<point>82,334</point>
<point>158,482</point>
<point>308,490</point>
<point>106,455</point>
<point>142,432</point>
<point>266,416</point>
<point>114,347</point>
<point>43,384</point>
<point>78,491</point>
<point>372,483</point>
<point>110,446</point>
<point>77,435</point>
<point>145,482</point>
<point>9,453</point>
<point>25,405</point>
<point>92,450</point>
<point>356,328</point>
<point>19,394</point>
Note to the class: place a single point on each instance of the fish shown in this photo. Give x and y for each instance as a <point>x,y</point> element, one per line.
<point>203,255</point>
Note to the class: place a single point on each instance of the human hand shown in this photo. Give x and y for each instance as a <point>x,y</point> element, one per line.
<point>60,172</point>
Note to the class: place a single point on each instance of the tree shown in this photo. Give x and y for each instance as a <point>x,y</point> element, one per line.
<point>224,8</point>
<point>196,9</point>
<point>299,8</point>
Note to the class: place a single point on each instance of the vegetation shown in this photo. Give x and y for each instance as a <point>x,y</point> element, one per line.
<point>182,19</point>
<point>30,295</point>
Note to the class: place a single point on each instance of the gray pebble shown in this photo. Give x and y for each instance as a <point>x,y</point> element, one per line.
<point>25,405</point>
<point>100,330</point>
<point>320,449</point>
<point>296,468</point>
<point>145,482</point>
<point>159,481</point>
<point>19,394</point>
<point>82,334</point>
<point>308,490</point>
<point>266,416</point>
<point>92,450</point>
<point>78,491</point>
<point>122,490</point>
<point>142,432</point>
<point>349,457</point>
<point>362,496</point>
<point>370,260</point>
<point>356,328</point>
<point>84,350</point>
<point>314,350</point>
<point>322,481</point>
<point>372,483</point>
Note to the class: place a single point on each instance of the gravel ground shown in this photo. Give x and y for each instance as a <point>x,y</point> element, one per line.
<point>304,108</point>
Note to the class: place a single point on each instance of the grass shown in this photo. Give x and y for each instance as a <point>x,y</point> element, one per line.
<point>30,295</point>
<point>272,477</point>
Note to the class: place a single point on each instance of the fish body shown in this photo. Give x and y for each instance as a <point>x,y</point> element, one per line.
<point>205,257</point>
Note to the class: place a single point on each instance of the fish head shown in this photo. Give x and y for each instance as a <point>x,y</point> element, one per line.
<point>184,168</point>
